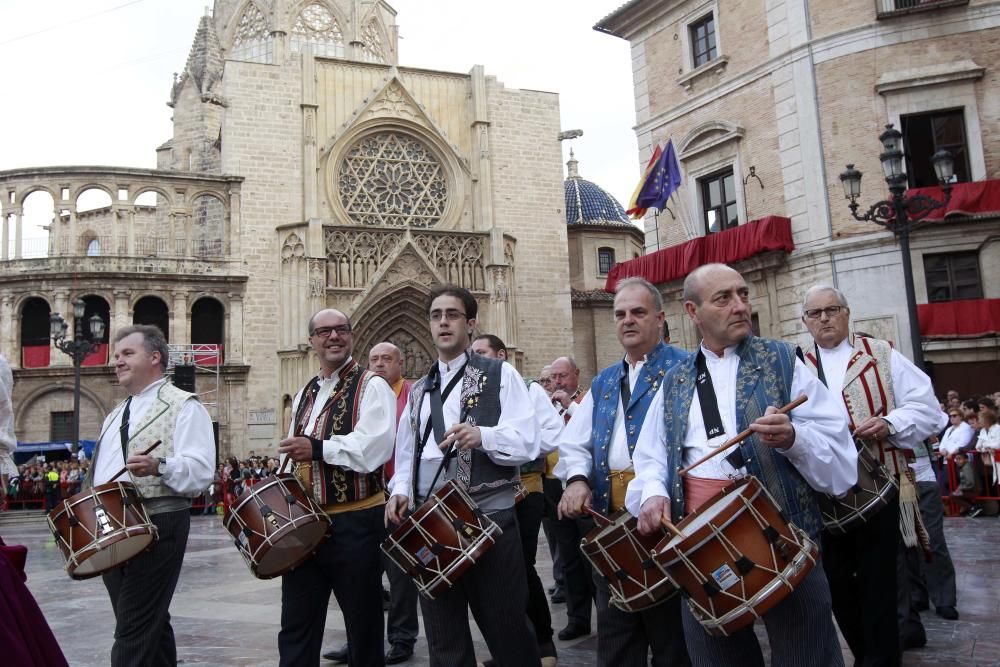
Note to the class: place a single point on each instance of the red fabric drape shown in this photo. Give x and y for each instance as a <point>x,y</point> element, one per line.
<point>35,356</point>
<point>98,357</point>
<point>209,357</point>
<point>966,199</point>
<point>732,245</point>
<point>968,318</point>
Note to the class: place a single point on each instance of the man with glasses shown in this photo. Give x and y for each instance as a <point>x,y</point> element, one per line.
<point>471,420</point>
<point>342,432</point>
<point>890,406</point>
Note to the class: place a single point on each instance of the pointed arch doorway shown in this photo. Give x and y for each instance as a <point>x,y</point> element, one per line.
<point>397,317</point>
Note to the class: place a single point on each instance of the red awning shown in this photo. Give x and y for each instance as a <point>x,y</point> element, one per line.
<point>98,357</point>
<point>35,356</point>
<point>975,198</point>
<point>967,318</point>
<point>732,245</point>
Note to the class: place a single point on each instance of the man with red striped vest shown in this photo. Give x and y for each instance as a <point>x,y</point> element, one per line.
<point>342,431</point>
<point>890,408</point>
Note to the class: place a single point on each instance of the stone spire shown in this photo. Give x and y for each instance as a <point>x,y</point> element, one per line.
<point>204,64</point>
<point>571,166</point>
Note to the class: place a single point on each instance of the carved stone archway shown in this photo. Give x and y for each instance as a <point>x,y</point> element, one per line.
<point>398,317</point>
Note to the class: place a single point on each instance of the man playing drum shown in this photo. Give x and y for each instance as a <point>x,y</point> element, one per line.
<point>180,468</point>
<point>736,381</point>
<point>344,422</point>
<point>890,406</point>
<point>482,411</point>
<point>595,460</point>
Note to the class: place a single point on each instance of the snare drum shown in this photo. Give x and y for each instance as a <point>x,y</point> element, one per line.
<point>277,526</point>
<point>624,556</point>
<point>441,540</point>
<point>737,557</point>
<point>101,528</point>
<point>875,489</point>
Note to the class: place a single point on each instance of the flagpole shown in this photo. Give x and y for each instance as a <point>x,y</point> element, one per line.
<point>656,223</point>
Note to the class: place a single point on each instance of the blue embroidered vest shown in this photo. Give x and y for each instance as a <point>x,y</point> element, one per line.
<point>606,392</point>
<point>763,378</point>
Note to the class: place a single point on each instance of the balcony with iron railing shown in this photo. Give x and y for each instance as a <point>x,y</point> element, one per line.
<point>889,8</point>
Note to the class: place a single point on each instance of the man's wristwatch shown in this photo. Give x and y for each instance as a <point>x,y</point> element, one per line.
<point>161,467</point>
<point>889,427</point>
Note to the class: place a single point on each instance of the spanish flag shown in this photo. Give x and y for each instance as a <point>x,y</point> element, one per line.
<point>634,210</point>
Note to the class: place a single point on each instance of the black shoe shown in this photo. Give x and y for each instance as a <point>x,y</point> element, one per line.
<point>559,597</point>
<point>573,631</point>
<point>398,653</point>
<point>974,512</point>
<point>337,655</point>
<point>921,605</point>
<point>949,613</point>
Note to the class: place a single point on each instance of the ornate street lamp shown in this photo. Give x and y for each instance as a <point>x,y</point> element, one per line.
<point>901,214</point>
<point>83,343</point>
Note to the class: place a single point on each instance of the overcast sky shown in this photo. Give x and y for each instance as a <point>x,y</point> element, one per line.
<point>87,82</point>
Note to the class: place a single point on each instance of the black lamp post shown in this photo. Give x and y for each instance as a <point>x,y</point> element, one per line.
<point>901,214</point>
<point>83,343</point>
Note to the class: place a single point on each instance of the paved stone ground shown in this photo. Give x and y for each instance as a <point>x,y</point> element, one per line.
<point>222,616</point>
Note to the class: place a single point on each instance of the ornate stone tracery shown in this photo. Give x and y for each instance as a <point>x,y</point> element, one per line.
<point>373,50</point>
<point>392,178</point>
<point>252,39</point>
<point>319,29</point>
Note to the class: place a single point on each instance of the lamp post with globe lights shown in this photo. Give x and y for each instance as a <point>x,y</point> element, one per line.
<point>83,343</point>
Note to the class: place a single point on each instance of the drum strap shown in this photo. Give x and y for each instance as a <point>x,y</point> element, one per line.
<point>436,422</point>
<point>706,396</point>
<point>819,368</point>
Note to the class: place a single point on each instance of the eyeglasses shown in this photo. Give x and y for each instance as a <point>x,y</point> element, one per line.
<point>324,332</point>
<point>953,415</point>
<point>829,311</point>
<point>450,315</point>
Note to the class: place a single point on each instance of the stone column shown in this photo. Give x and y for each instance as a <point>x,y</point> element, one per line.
<point>234,330</point>
<point>7,339</point>
<point>180,331</point>
<point>483,166</point>
<point>130,230</point>
<point>18,240</point>
<point>5,237</point>
<point>120,316</point>
<point>235,222</point>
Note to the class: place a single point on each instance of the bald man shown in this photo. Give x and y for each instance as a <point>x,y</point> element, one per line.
<point>342,432</point>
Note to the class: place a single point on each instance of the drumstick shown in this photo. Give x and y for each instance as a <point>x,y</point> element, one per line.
<point>288,457</point>
<point>598,517</point>
<point>151,448</point>
<point>671,527</point>
<point>740,437</point>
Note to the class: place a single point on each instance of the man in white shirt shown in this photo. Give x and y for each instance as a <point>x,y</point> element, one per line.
<point>792,455</point>
<point>890,406</point>
<point>167,478</point>
<point>342,431</point>
<point>482,413</point>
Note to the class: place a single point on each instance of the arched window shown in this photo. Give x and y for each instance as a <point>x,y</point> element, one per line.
<point>317,28</point>
<point>372,50</point>
<point>96,305</point>
<point>93,247</point>
<point>35,333</point>
<point>252,41</point>
<point>208,328</point>
<point>208,226</point>
<point>152,310</point>
<point>605,260</point>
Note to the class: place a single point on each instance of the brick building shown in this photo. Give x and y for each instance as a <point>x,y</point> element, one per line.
<point>766,101</point>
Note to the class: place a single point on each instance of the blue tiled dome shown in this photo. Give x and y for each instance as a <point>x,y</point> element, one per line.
<point>588,203</point>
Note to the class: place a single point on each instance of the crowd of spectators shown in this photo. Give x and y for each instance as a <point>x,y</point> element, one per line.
<point>45,483</point>
<point>967,451</point>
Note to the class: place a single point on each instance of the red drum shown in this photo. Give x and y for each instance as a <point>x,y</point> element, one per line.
<point>875,489</point>
<point>737,557</point>
<point>277,525</point>
<point>624,556</point>
<point>441,540</point>
<point>101,528</point>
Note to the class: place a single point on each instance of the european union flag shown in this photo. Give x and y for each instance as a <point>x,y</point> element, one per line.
<point>662,182</point>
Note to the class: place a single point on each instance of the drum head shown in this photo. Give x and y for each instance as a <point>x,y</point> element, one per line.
<point>291,550</point>
<point>112,556</point>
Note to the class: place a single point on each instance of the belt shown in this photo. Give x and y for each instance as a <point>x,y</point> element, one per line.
<point>619,485</point>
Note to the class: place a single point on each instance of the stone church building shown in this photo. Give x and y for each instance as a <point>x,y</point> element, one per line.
<point>308,168</point>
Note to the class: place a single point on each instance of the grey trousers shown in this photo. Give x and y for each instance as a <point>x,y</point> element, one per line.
<point>799,629</point>
<point>496,592</point>
<point>141,591</point>
<point>935,581</point>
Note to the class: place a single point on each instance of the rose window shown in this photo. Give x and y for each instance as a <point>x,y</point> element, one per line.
<point>390,178</point>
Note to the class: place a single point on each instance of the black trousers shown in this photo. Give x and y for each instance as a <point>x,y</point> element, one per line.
<point>140,593</point>
<point>577,583</point>
<point>626,639</point>
<point>348,564</point>
<point>401,622</point>
<point>494,590</point>
<point>861,569</point>
<point>529,521</point>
